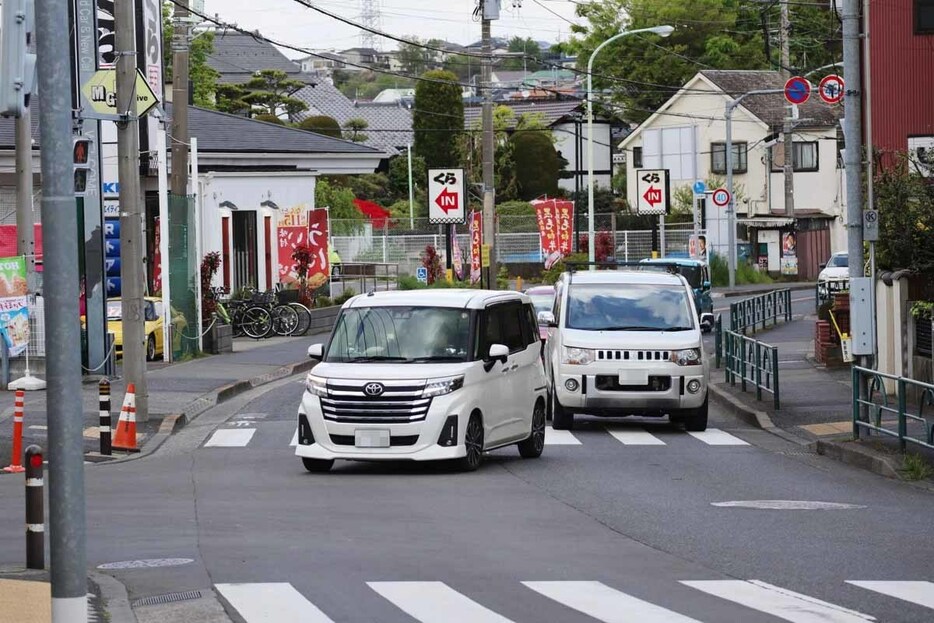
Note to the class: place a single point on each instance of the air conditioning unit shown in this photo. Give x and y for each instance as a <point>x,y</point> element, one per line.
<point>921,152</point>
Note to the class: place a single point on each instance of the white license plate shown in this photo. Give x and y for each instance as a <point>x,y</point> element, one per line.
<point>633,377</point>
<point>371,438</point>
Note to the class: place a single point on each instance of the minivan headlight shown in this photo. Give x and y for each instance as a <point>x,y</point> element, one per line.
<point>687,357</point>
<point>316,386</point>
<point>440,387</point>
<point>578,356</point>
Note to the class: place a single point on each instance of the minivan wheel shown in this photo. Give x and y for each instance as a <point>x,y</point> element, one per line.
<point>561,418</point>
<point>318,466</point>
<point>531,447</point>
<point>473,440</point>
<point>695,420</point>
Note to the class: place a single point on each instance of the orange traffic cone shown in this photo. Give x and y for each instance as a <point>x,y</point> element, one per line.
<point>125,436</point>
<point>16,463</point>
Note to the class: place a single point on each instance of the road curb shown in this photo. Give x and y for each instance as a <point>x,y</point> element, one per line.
<point>115,598</point>
<point>857,456</point>
<point>753,417</point>
<point>173,423</point>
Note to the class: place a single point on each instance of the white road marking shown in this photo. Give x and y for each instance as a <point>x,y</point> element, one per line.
<point>38,427</point>
<point>636,437</point>
<point>435,602</point>
<point>921,593</point>
<point>716,437</point>
<point>271,603</point>
<point>230,438</point>
<point>294,441</point>
<point>252,416</point>
<point>779,602</point>
<point>787,505</point>
<point>560,437</point>
<point>606,604</point>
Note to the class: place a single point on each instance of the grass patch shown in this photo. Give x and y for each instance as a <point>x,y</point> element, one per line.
<point>746,273</point>
<point>914,467</point>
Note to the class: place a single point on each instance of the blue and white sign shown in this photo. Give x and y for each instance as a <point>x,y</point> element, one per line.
<point>421,273</point>
<point>797,90</point>
<point>112,255</point>
<point>700,188</point>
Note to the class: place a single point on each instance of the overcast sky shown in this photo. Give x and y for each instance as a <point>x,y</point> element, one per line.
<point>452,20</point>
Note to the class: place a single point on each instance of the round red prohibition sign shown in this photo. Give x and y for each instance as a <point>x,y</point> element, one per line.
<point>721,197</point>
<point>831,89</point>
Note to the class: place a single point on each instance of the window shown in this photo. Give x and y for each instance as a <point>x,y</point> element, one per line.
<point>924,16</point>
<point>529,325</point>
<point>636,157</point>
<point>718,158</point>
<point>629,307</point>
<point>503,325</point>
<point>805,159</point>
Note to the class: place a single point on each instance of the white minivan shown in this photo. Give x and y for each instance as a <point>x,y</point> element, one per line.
<point>425,375</point>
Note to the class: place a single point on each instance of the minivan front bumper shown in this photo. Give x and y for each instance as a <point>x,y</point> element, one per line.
<point>671,391</point>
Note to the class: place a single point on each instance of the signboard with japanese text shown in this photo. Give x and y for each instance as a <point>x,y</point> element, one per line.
<point>447,197</point>
<point>556,228</point>
<point>289,239</point>
<point>653,191</point>
<point>476,241</point>
<point>457,256</point>
<point>789,254</point>
<point>14,304</point>
<point>319,269</point>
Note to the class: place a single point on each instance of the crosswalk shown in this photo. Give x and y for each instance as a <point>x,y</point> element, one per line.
<point>438,602</point>
<point>243,434</point>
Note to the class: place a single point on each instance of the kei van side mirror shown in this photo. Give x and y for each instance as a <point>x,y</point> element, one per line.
<point>316,352</point>
<point>706,285</point>
<point>547,318</point>
<point>499,352</point>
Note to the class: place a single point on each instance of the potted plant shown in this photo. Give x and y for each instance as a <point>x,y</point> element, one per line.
<point>218,337</point>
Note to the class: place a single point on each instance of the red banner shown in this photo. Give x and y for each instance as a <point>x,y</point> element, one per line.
<point>476,242</point>
<point>318,236</point>
<point>556,227</point>
<point>289,238</point>
<point>565,217</point>
<point>546,213</point>
<point>8,240</point>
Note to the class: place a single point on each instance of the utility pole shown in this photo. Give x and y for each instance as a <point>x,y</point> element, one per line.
<point>788,129</point>
<point>132,276</point>
<point>25,219</point>
<point>489,189</point>
<point>180,77</point>
<point>67,522</point>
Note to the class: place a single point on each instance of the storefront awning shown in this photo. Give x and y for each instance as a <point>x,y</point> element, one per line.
<point>766,223</point>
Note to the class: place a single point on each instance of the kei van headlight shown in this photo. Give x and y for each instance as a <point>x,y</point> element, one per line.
<point>578,356</point>
<point>440,387</point>
<point>687,357</point>
<point>316,386</point>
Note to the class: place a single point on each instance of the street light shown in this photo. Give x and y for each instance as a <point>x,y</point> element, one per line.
<point>662,31</point>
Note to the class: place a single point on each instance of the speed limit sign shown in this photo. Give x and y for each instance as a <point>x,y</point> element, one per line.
<point>721,197</point>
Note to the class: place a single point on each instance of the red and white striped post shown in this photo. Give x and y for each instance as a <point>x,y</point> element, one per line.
<point>16,462</point>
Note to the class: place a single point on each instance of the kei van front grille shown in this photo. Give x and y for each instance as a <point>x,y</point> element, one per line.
<point>633,355</point>
<point>399,402</point>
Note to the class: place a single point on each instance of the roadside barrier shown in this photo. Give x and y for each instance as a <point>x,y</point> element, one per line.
<point>35,509</point>
<point>911,423</point>
<point>125,438</point>
<point>16,464</point>
<point>824,291</point>
<point>105,423</point>
<point>755,312</point>
<point>750,362</point>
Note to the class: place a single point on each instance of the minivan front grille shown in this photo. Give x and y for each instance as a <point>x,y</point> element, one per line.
<point>633,355</point>
<point>399,402</point>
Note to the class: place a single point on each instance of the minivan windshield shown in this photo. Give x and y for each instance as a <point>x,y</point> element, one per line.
<point>838,261</point>
<point>401,335</point>
<point>629,307</point>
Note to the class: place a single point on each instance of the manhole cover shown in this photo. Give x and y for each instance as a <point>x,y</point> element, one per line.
<point>167,599</point>
<point>787,505</point>
<point>150,563</point>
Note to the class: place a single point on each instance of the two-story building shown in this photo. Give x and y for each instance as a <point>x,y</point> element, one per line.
<point>687,136</point>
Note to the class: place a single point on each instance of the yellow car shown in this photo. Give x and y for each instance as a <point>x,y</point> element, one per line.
<point>152,310</point>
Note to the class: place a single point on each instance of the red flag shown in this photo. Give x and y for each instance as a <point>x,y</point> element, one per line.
<point>318,239</point>
<point>476,241</point>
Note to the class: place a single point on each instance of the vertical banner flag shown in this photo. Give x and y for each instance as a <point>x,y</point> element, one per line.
<point>476,241</point>
<point>555,226</point>
<point>289,238</point>
<point>457,256</point>
<point>565,217</point>
<point>319,270</point>
<point>14,304</point>
<point>789,254</point>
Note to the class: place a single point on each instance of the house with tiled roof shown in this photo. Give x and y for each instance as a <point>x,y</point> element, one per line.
<point>687,136</point>
<point>237,57</point>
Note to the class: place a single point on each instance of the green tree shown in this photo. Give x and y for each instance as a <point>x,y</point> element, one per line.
<point>269,119</point>
<point>399,176</point>
<point>203,76</point>
<point>229,98</point>
<point>271,90</point>
<point>417,59</point>
<point>536,164</point>
<point>438,118</point>
<point>531,52</point>
<point>353,130</point>
<point>346,219</point>
<point>906,219</point>
<point>365,85</point>
<point>322,124</point>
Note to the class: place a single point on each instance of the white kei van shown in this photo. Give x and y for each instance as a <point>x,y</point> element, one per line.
<point>425,375</point>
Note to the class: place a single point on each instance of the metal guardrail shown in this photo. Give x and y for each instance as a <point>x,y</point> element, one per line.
<point>748,361</point>
<point>755,312</point>
<point>921,426</point>
<point>824,291</point>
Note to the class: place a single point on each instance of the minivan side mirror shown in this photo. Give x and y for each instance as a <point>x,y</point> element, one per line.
<point>547,318</point>
<point>316,352</point>
<point>499,352</point>
<point>706,285</point>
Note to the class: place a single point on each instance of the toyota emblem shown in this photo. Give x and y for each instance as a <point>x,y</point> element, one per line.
<point>374,389</point>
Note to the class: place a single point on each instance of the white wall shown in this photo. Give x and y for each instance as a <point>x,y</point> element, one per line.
<point>290,191</point>
<point>602,153</point>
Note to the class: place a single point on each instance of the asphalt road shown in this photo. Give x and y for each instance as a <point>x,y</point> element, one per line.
<point>618,531</point>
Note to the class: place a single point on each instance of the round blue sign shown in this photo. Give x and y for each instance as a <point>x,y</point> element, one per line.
<point>797,90</point>
<point>699,188</point>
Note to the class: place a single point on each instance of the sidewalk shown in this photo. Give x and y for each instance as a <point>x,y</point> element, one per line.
<point>761,288</point>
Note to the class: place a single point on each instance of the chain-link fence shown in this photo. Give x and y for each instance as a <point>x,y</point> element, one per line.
<point>184,275</point>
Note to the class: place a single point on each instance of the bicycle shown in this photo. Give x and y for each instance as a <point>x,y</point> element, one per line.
<point>245,317</point>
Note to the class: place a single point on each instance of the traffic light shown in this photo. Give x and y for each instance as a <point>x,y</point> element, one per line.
<point>17,64</point>
<point>82,162</point>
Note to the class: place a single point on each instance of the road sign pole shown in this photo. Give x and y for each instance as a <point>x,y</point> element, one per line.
<point>448,247</point>
<point>661,235</point>
<point>731,206</point>
<point>67,534</point>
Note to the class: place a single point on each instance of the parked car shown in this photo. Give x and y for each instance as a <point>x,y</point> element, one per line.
<point>543,299</point>
<point>626,342</point>
<point>425,375</point>
<point>153,316</point>
<point>697,274</point>
<point>836,268</point>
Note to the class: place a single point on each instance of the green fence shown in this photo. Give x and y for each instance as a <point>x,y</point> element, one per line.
<point>908,423</point>
<point>748,362</point>
<point>184,273</point>
<point>756,312</point>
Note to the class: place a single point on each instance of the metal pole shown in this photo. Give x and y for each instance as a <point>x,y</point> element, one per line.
<point>68,557</point>
<point>411,192</point>
<point>661,235</point>
<point>164,260</point>
<point>199,245</point>
<point>489,184</point>
<point>853,158</point>
<point>132,243</point>
<point>787,129</point>
<point>35,509</point>
<point>25,219</point>
<point>731,206</point>
<point>870,165</point>
<point>180,96</point>
<point>591,242</point>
